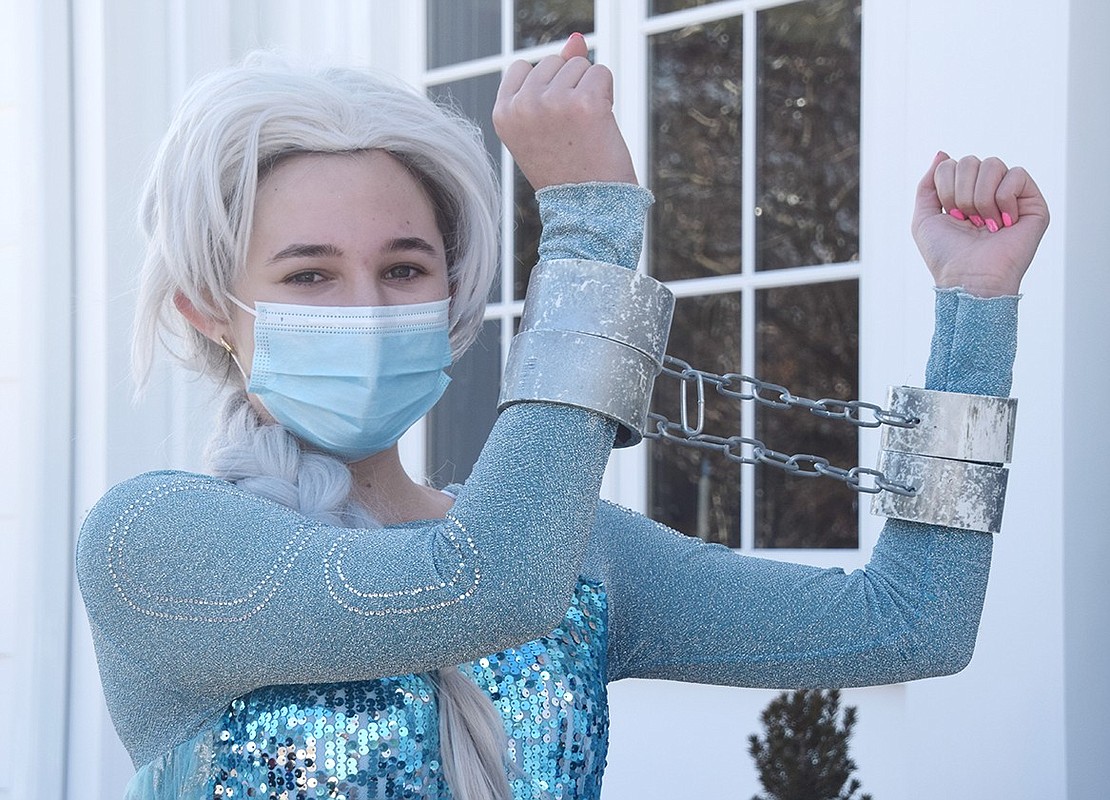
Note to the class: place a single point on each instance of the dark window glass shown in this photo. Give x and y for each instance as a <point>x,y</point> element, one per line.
<point>462,31</point>
<point>695,491</point>
<point>666,6</point>
<point>695,151</point>
<point>807,178</point>
<point>526,232</point>
<point>474,97</point>
<point>539,21</point>
<point>460,423</point>
<point>807,339</point>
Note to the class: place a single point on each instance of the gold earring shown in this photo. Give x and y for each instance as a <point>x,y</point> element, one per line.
<point>230,350</point>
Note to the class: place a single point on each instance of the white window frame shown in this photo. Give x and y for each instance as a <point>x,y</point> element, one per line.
<point>620,39</point>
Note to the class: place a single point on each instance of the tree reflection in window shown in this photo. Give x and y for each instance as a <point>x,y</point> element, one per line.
<point>695,491</point>
<point>694,163</point>
<point>807,120</point>
<point>807,340</point>
<point>804,335</point>
<point>537,22</point>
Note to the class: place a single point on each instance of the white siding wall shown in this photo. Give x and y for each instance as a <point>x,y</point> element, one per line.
<point>9,372</point>
<point>1027,81</point>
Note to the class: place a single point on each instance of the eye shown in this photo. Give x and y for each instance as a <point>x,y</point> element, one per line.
<point>305,277</point>
<point>404,272</point>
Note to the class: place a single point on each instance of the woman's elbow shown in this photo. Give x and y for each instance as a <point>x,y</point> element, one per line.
<point>943,653</point>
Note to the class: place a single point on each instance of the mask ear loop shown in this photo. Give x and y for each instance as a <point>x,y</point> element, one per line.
<point>241,304</point>
<point>231,350</point>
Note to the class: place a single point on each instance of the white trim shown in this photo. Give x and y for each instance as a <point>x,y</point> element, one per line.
<point>87,745</point>
<point>707,13</point>
<point>44,494</point>
<point>884,289</point>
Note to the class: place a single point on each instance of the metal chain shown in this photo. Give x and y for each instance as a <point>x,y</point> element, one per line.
<point>744,450</point>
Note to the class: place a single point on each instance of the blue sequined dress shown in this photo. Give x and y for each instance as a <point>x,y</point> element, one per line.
<point>247,651</point>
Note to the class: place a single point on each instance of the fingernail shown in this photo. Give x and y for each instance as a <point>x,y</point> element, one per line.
<point>976,220</point>
<point>992,226</point>
<point>1007,220</point>
<point>955,213</point>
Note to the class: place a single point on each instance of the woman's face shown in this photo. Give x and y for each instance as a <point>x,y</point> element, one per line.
<point>342,229</point>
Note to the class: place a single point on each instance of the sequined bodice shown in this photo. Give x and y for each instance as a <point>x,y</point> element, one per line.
<point>379,739</point>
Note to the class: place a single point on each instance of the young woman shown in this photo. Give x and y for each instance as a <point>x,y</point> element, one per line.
<point>308,621</point>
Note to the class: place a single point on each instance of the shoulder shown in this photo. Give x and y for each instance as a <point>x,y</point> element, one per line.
<point>148,484</point>
<point>159,516</point>
<point>622,536</point>
<point>162,493</point>
<point>617,525</point>
<point>170,490</point>
<point>626,543</point>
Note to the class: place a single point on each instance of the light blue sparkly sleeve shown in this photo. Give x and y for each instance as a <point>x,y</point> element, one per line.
<point>198,592</point>
<point>599,221</point>
<point>685,610</point>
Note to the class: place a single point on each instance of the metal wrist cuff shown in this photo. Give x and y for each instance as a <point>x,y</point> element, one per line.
<point>968,427</point>
<point>953,457</point>
<point>584,371</point>
<point>600,299</point>
<point>956,494</point>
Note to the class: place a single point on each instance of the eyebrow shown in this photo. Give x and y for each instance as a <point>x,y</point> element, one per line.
<point>405,243</point>
<point>306,251</point>
<point>411,243</point>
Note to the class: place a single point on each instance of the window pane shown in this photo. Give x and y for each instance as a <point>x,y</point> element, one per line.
<point>807,182</point>
<point>462,31</point>
<point>695,151</point>
<point>695,491</point>
<point>526,232</point>
<point>474,97</point>
<point>807,339</point>
<point>461,421</point>
<point>540,21</point>
<point>666,6</point>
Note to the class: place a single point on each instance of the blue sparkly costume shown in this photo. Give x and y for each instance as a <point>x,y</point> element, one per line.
<point>247,651</point>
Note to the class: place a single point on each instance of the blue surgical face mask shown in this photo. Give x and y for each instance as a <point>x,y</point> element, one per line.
<point>349,380</point>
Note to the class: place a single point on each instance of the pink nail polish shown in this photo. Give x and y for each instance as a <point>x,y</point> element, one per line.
<point>955,213</point>
<point>992,226</point>
<point>976,220</point>
<point>1007,220</point>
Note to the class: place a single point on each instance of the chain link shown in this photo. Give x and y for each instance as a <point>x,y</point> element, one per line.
<point>745,450</point>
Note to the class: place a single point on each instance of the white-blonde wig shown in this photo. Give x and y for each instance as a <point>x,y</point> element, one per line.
<point>234,125</point>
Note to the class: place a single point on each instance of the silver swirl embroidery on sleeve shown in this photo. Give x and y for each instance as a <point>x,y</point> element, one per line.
<point>142,599</point>
<point>461,585</point>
